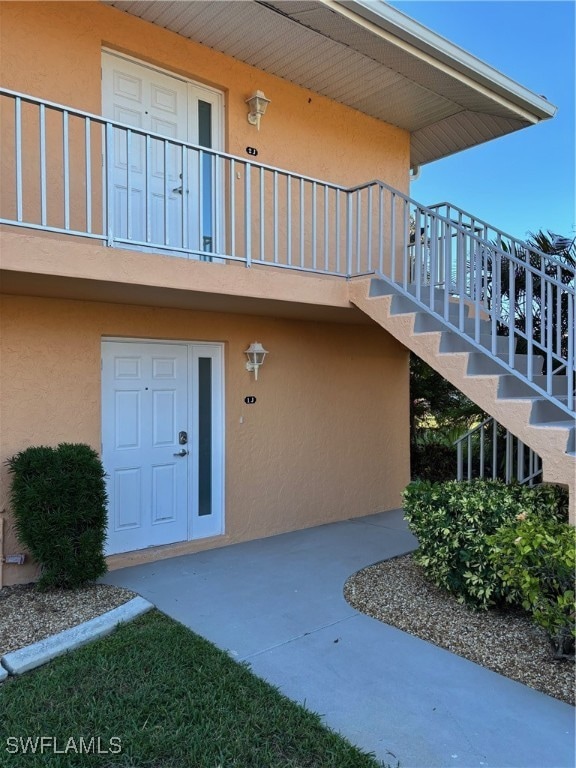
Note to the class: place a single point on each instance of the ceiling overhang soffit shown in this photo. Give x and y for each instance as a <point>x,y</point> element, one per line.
<point>327,47</point>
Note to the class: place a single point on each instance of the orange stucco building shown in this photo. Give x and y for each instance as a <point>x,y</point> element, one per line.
<point>151,233</point>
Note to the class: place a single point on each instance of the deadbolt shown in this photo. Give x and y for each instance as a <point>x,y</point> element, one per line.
<point>182,437</point>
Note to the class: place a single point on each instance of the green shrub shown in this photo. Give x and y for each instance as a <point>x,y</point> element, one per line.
<point>58,498</point>
<point>452,521</point>
<point>535,559</point>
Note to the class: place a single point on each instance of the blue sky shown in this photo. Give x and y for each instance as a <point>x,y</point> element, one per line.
<point>524,181</point>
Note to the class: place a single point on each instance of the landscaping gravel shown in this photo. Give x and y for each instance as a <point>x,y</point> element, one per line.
<point>27,615</point>
<point>398,593</point>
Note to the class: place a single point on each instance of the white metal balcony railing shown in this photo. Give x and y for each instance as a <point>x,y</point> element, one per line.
<point>68,171</point>
<point>491,451</point>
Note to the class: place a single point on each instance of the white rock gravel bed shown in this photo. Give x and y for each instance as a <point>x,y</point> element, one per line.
<point>397,593</point>
<point>27,616</point>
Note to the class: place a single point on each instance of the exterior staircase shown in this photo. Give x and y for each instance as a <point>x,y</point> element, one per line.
<point>457,339</point>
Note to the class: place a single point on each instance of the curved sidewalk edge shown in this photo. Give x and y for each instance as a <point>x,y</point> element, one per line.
<point>32,656</point>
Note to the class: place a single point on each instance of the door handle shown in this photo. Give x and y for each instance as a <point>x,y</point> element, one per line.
<point>183,452</point>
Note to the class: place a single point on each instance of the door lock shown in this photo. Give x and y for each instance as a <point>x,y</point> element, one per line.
<point>182,437</point>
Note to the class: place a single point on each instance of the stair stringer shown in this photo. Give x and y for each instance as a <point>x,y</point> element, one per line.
<point>549,440</point>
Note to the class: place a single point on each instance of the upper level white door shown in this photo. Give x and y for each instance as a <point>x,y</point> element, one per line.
<point>170,204</point>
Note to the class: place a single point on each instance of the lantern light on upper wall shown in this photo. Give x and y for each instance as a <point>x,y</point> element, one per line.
<point>258,104</point>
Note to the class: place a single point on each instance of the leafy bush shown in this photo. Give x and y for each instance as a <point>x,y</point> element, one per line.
<point>535,559</point>
<point>452,521</point>
<point>59,501</point>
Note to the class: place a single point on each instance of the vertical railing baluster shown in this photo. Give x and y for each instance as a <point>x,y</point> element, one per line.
<point>407,249</point>
<point>337,232</point>
<point>18,148</point>
<point>530,322</point>
<point>302,191</point>
<point>381,236</point>
<point>129,184</point>
<point>418,252</point>
<point>185,196</point>
<point>66,167</point>
<point>496,278</point>
<point>326,229</point>
<point>314,223</point>
<point>543,286</point>
<point>109,144</point>
<point>460,463</point>
<point>43,209</point>
<point>369,232</point>
<point>461,267</point>
<point>432,247</point>
<point>508,458</point>
<point>88,162</point>
<point>393,238</point>
<point>349,210</point>
<point>289,219</point>
<point>570,373</point>
<point>200,198</point>
<point>549,329</point>
<point>148,188</point>
<point>232,182</point>
<point>263,219</point>
<point>275,217</point>
<point>482,429</point>
<point>520,461</point>
<point>248,213</point>
<point>447,248</point>
<point>511,313</point>
<point>494,449</point>
<point>358,229</point>
<point>469,449</point>
<point>167,195</point>
<point>478,261</point>
<point>214,204</point>
<point>558,291</point>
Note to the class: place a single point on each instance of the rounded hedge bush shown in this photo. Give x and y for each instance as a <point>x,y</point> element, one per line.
<point>452,522</point>
<point>58,498</point>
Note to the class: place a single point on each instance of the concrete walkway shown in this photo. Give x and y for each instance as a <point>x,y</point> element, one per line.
<point>277,603</point>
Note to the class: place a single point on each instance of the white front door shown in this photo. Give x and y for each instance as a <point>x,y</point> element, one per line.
<point>172,186</point>
<point>162,442</point>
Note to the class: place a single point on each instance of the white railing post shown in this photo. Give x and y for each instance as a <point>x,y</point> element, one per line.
<point>108,149</point>
<point>349,234</point>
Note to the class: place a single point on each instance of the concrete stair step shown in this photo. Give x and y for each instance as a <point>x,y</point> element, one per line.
<point>571,432</point>
<point>428,323</point>
<point>485,364</point>
<point>544,410</point>
<point>403,305</point>
<point>453,342</point>
<point>511,386</point>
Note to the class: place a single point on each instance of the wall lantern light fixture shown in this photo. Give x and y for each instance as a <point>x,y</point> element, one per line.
<point>258,104</point>
<point>255,354</point>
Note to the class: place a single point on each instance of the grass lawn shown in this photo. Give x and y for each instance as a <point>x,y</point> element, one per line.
<point>159,696</point>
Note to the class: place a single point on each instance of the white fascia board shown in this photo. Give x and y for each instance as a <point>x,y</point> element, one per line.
<point>390,23</point>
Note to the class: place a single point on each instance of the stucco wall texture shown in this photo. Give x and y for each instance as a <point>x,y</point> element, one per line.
<point>326,440</point>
